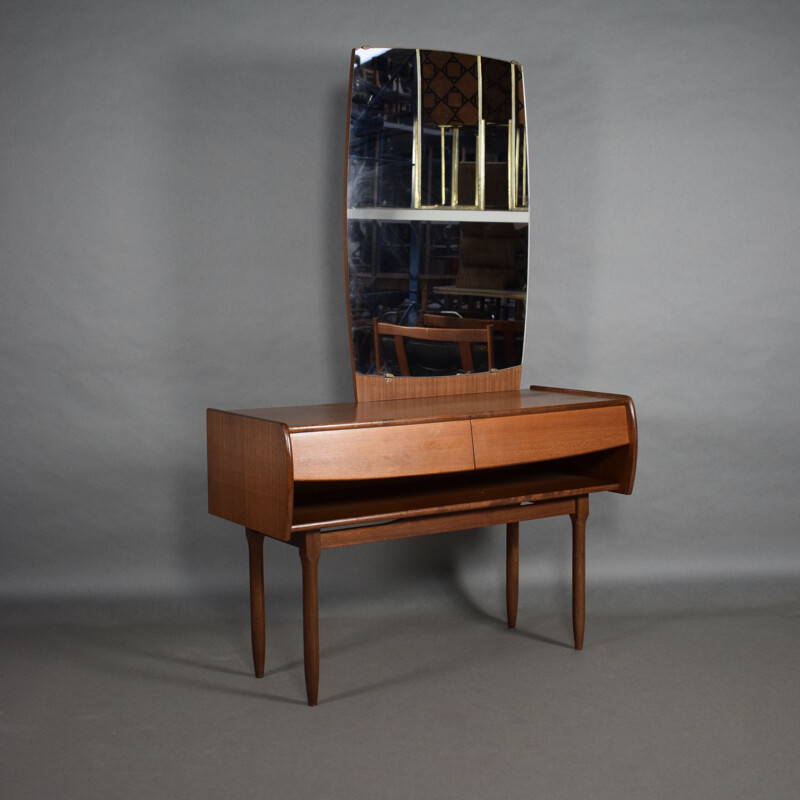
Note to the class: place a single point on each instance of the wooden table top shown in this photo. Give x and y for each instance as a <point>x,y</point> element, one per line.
<point>427,409</point>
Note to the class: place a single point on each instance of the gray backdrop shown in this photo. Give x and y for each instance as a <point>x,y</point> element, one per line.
<point>171,180</point>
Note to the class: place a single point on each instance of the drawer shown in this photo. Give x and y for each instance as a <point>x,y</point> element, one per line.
<point>389,451</point>
<point>524,438</point>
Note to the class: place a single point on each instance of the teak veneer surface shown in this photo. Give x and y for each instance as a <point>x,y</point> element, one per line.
<point>499,441</point>
<point>250,475</point>
<point>414,449</point>
<point>285,470</point>
<point>372,388</point>
<point>427,409</point>
<point>342,474</point>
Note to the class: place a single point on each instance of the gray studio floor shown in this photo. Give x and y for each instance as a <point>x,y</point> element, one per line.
<point>444,704</point>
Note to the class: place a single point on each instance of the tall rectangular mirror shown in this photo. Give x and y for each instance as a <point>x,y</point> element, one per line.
<point>436,221</point>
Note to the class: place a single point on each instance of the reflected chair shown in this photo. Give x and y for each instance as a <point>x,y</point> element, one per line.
<point>509,331</point>
<point>464,338</point>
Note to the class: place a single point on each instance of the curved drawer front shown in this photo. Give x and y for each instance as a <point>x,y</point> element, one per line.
<point>501,441</point>
<point>389,451</point>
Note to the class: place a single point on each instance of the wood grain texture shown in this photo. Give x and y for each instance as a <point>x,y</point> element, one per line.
<point>383,452</point>
<point>540,437</point>
<point>617,465</point>
<point>250,472</point>
<point>375,387</point>
<point>412,410</point>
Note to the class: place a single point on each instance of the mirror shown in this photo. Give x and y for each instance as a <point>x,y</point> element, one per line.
<point>437,213</point>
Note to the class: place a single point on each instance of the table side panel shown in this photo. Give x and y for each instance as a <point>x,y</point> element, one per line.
<point>250,473</point>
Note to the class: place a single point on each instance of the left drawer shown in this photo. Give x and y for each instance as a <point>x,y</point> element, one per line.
<point>388,451</point>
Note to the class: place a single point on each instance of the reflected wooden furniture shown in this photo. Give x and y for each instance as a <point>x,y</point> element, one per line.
<point>328,476</point>
<point>478,298</point>
<point>507,329</point>
<point>464,338</point>
<point>500,294</point>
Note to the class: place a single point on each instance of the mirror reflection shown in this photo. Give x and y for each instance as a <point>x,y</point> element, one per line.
<point>437,217</point>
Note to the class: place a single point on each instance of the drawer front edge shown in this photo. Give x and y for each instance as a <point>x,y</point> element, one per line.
<point>526,438</point>
<point>389,451</point>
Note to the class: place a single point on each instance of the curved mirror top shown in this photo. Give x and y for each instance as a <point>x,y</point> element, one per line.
<point>437,213</point>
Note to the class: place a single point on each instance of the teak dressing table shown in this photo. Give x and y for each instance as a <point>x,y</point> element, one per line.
<point>416,455</point>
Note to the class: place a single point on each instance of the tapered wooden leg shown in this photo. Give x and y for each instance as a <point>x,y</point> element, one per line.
<point>579,568</point>
<point>309,557</point>
<point>255,544</point>
<point>512,572</point>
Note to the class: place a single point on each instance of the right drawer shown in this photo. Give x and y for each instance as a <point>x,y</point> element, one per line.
<point>523,438</point>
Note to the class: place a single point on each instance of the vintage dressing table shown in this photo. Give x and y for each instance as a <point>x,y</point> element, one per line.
<point>436,196</point>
